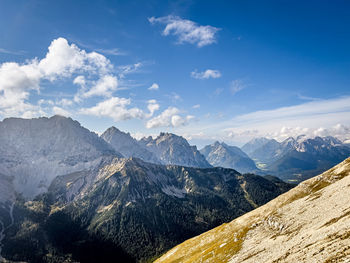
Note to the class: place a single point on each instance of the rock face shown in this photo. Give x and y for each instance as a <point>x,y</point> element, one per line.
<point>223,155</point>
<point>129,147</point>
<point>172,149</point>
<point>310,223</point>
<point>34,151</point>
<point>132,209</point>
<point>301,158</point>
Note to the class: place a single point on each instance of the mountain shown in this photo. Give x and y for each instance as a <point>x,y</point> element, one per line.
<point>34,151</point>
<point>308,158</point>
<point>301,158</point>
<point>129,147</point>
<point>268,152</point>
<point>254,144</point>
<point>223,155</point>
<point>172,149</point>
<point>309,223</point>
<point>129,210</point>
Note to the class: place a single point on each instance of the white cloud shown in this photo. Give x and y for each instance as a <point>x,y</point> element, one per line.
<point>152,107</point>
<point>62,60</point>
<point>59,111</point>
<point>112,51</point>
<point>128,69</point>
<point>169,118</point>
<point>16,83</point>
<point>115,108</point>
<point>209,73</point>
<point>80,80</point>
<point>236,86</point>
<point>320,110</point>
<point>64,102</point>
<point>154,86</point>
<point>187,30</point>
<point>105,87</point>
<point>322,117</point>
<point>197,106</point>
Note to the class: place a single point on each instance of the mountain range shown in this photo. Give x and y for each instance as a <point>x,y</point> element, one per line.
<point>297,159</point>
<point>309,223</point>
<point>132,210</point>
<point>69,195</point>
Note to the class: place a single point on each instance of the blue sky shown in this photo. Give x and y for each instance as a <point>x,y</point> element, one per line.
<point>218,70</point>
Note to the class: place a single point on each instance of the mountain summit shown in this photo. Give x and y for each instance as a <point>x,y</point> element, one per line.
<point>174,149</point>
<point>127,145</point>
<point>35,151</point>
<point>223,155</point>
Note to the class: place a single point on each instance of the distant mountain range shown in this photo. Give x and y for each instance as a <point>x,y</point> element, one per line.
<point>309,223</point>
<point>297,159</point>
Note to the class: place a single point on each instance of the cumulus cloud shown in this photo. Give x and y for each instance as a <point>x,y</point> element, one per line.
<point>154,86</point>
<point>105,87</point>
<point>209,73</point>
<point>119,109</point>
<point>92,73</point>
<point>60,111</point>
<point>152,107</point>
<point>62,60</point>
<point>186,31</point>
<point>339,131</point>
<point>197,106</point>
<point>115,108</point>
<point>169,118</point>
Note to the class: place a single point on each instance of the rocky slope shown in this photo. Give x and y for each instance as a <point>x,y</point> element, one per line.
<point>129,147</point>
<point>34,151</point>
<point>130,210</point>
<point>309,223</point>
<point>223,155</point>
<point>172,149</point>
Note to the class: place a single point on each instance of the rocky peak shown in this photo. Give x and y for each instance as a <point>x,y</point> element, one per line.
<point>127,145</point>
<point>35,151</point>
<point>173,149</point>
